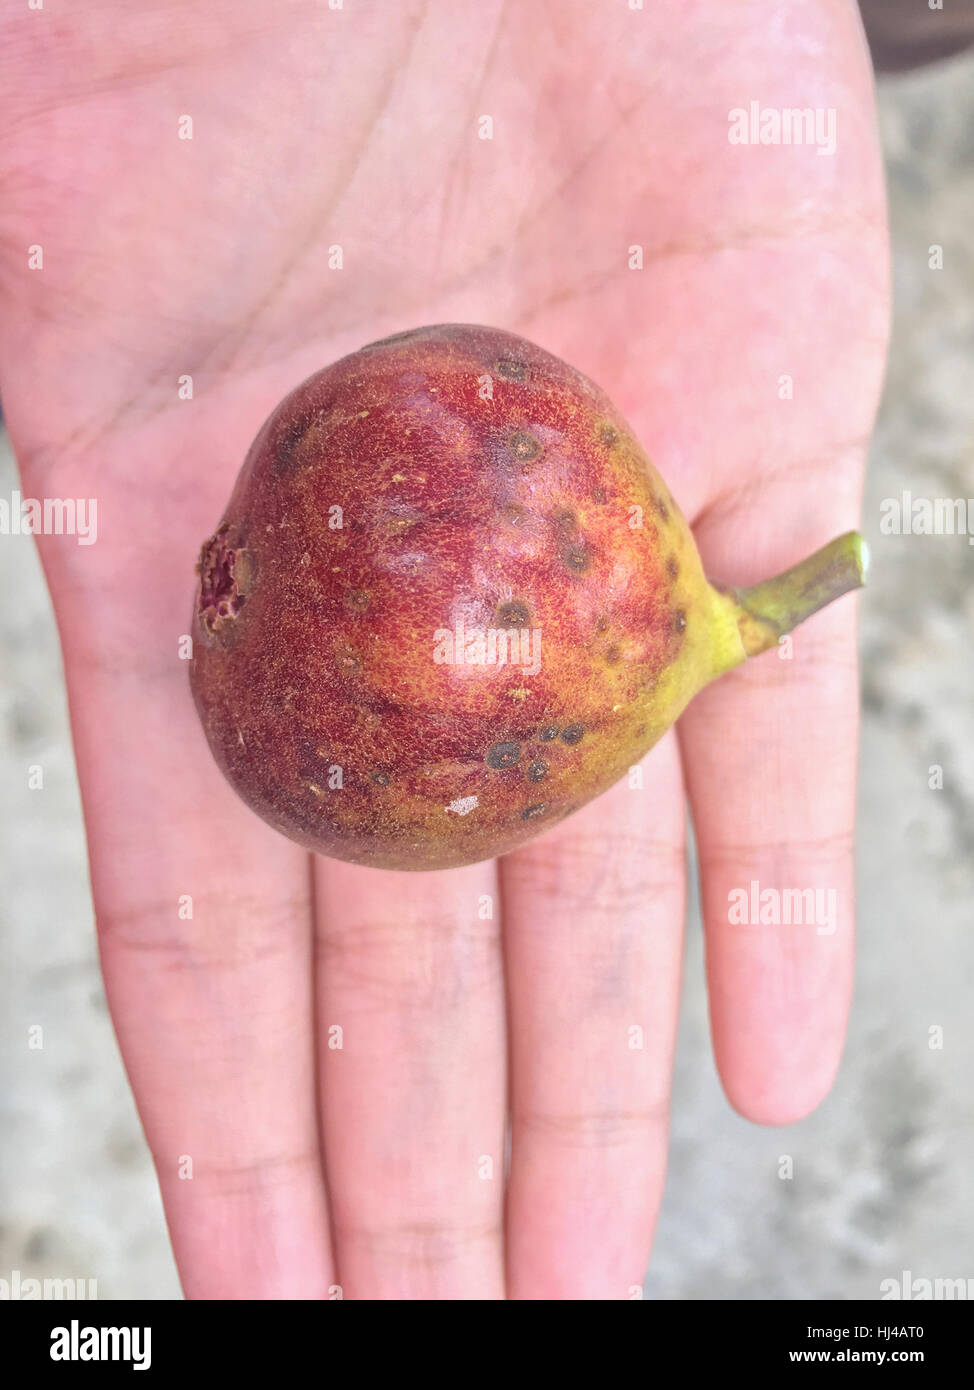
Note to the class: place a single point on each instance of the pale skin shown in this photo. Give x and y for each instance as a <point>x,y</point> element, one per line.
<point>379,1167</point>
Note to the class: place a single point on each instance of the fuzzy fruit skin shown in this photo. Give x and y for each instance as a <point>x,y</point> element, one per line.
<point>520,503</point>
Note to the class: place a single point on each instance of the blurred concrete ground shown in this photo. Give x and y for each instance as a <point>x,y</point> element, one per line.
<point>881,1171</point>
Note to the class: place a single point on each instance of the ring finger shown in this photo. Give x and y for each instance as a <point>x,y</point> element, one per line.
<point>412,1058</point>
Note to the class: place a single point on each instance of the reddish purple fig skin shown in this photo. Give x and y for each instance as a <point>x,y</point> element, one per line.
<point>314,644</point>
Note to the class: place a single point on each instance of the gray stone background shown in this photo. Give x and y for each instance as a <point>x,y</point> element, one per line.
<point>882,1177</point>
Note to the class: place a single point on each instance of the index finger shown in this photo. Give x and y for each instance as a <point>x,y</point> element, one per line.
<point>770,765</point>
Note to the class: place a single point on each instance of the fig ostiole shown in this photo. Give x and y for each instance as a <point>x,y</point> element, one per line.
<point>450,601</point>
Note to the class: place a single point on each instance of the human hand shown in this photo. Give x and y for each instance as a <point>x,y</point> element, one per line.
<point>365,1167</point>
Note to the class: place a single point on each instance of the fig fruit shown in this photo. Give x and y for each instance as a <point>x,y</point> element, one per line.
<point>450,601</point>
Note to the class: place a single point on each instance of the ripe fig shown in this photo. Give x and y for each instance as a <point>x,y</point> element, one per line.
<point>450,601</point>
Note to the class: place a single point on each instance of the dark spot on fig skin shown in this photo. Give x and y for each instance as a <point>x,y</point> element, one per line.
<point>612,655</point>
<point>289,439</point>
<point>514,613</point>
<point>661,508</point>
<point>672,568</point>
<point>566,520</point>
<point>504,755</point>
<point>349,663</point>
<point>680,620</point>
<point>357,600</point>
<point>601,624</point>
<point>381,779</point>
<point>608,435</point>
<point>548,733</point>
<point>514,515</point>
<point>599,495</point>
<point>510,370</point>
<point>291,435</point>
<point>577,558</point>
<point>524,446</point>
<point>572,733</point>
<point>531,812</point>
<point>538,770</point>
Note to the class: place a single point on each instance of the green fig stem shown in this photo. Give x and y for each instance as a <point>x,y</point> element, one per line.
<point>772,608</point>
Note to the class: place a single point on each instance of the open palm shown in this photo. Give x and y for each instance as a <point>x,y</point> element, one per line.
<point>341,183</point>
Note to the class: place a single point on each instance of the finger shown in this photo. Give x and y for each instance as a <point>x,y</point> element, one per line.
<point>770,761</point>
<point>413,1063</point>
<point>593,916</point>
<point>205,938</point>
